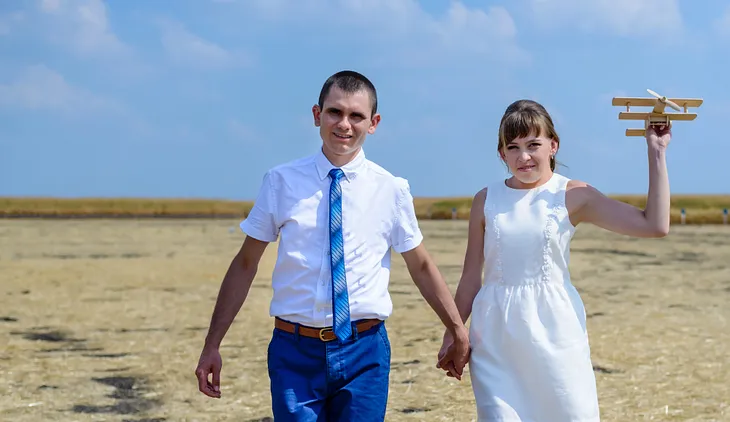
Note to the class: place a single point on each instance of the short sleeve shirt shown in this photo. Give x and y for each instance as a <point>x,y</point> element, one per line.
<point>292,207</point>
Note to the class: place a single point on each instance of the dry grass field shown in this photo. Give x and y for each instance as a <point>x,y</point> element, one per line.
<point>103,320</point>
<point>699,209</point>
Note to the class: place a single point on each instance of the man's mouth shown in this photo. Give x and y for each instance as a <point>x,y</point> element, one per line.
<point>338,136</point>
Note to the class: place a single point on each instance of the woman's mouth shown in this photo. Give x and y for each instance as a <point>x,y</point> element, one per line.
<point>526,168</point>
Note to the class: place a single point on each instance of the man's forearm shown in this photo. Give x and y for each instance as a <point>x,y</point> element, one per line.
<point>233,292</point>
<point>437,294</point>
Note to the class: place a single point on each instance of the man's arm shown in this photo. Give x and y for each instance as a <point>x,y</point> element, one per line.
<point>260,228</point>
<point>407,240</point>
<point>434,290</point>
<point>233,291</point>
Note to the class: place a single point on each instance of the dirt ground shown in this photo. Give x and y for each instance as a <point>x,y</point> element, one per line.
<point>104,320</point>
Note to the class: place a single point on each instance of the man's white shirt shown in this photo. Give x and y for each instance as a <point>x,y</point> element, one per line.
<point>292,206</point>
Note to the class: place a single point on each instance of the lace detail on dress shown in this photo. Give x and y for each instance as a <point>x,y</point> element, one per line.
<point>552,225</point>
<point>557,212</point>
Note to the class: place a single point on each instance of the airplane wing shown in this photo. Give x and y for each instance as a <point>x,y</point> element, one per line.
<point>651,102</point>
<point>643,116</point>
<point>689,102</point>
<point>634,101</point>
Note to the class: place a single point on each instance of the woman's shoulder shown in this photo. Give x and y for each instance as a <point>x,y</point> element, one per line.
<point>480,198</point>
<point>575,183</point>
<point>482,193</point>
<point>579,187</point>
<point>488,192</point>
<point>579,192</point>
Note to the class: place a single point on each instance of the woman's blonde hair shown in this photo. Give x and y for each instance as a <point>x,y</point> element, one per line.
<point>523,118</point>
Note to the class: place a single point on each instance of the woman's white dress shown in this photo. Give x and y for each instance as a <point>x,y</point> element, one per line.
<point>530,358</point>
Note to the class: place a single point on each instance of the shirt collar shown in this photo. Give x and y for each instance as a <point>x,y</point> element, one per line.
<point>350,169</point>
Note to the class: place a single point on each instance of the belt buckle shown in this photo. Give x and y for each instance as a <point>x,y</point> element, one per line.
<point>324,330</point>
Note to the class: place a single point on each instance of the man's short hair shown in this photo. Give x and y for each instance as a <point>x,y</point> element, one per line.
<point>350,82</point>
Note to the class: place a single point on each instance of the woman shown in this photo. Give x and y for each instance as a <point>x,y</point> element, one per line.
<point>530,358</point>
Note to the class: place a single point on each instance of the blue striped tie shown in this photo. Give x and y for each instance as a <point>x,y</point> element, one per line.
<point>340,301</point>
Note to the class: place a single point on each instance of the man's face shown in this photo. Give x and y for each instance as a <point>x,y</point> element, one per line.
<point>344,121</point>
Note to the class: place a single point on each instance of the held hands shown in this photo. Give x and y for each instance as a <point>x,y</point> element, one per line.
<point>454,354</point>
<point>658,136</point>
<point>210,363</point>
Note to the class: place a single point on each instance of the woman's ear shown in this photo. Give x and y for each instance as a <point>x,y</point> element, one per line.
<point>554,145</point>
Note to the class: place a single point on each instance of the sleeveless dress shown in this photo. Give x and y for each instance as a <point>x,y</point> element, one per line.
<point>530,357</point>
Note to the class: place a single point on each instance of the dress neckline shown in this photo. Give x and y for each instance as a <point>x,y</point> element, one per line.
<point>527,190</point>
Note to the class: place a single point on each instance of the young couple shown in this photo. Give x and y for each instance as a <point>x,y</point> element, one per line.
<point>337,214</point>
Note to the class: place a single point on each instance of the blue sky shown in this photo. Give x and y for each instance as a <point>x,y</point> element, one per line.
<point>183,98</point>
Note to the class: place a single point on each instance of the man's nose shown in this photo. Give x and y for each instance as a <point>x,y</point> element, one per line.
<point>343,123</point>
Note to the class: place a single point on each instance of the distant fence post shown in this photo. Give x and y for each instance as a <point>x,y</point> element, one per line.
<point>429,213</point>
<point>453,213</point>
<point>683,217</point>
<point>724,216</point>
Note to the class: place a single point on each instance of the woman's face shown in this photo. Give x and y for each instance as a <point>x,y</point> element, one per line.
<point>528,158</point>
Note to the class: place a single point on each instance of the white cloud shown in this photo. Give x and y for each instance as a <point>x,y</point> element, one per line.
<point>660,18</point>
<point>186,48</point>
<point>83,26</point>
<point>722,24</point>
<point>401,30</point>
<point>8,20</point>
<point>41,88</point>
<point>50,6</point>
<point>478,31</point>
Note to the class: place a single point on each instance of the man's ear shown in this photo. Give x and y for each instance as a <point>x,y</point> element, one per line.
<point>374,124</point>
<point>316,113</point>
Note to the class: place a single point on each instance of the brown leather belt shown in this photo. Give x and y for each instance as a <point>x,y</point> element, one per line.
<point>324,334</point>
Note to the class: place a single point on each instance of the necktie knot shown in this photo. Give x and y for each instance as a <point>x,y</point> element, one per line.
<point>336,174</point>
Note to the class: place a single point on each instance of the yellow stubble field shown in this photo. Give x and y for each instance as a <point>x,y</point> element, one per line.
<point>103,320</point>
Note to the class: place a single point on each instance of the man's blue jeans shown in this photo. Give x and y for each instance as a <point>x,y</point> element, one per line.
<point>313,380</point>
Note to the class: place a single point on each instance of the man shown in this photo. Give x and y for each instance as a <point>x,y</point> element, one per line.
<point>336,215</point>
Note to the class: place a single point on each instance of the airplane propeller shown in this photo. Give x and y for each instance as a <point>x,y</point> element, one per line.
<point>665,100</point>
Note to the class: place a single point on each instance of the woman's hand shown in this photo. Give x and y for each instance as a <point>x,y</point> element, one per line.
<point>658,136</point>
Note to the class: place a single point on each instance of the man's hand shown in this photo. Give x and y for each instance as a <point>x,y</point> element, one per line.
<point>232,294</point>
<point>210,363</point>
<point>454,354</point>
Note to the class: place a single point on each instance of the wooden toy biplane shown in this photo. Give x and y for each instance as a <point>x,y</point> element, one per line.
<point>657,115</point>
